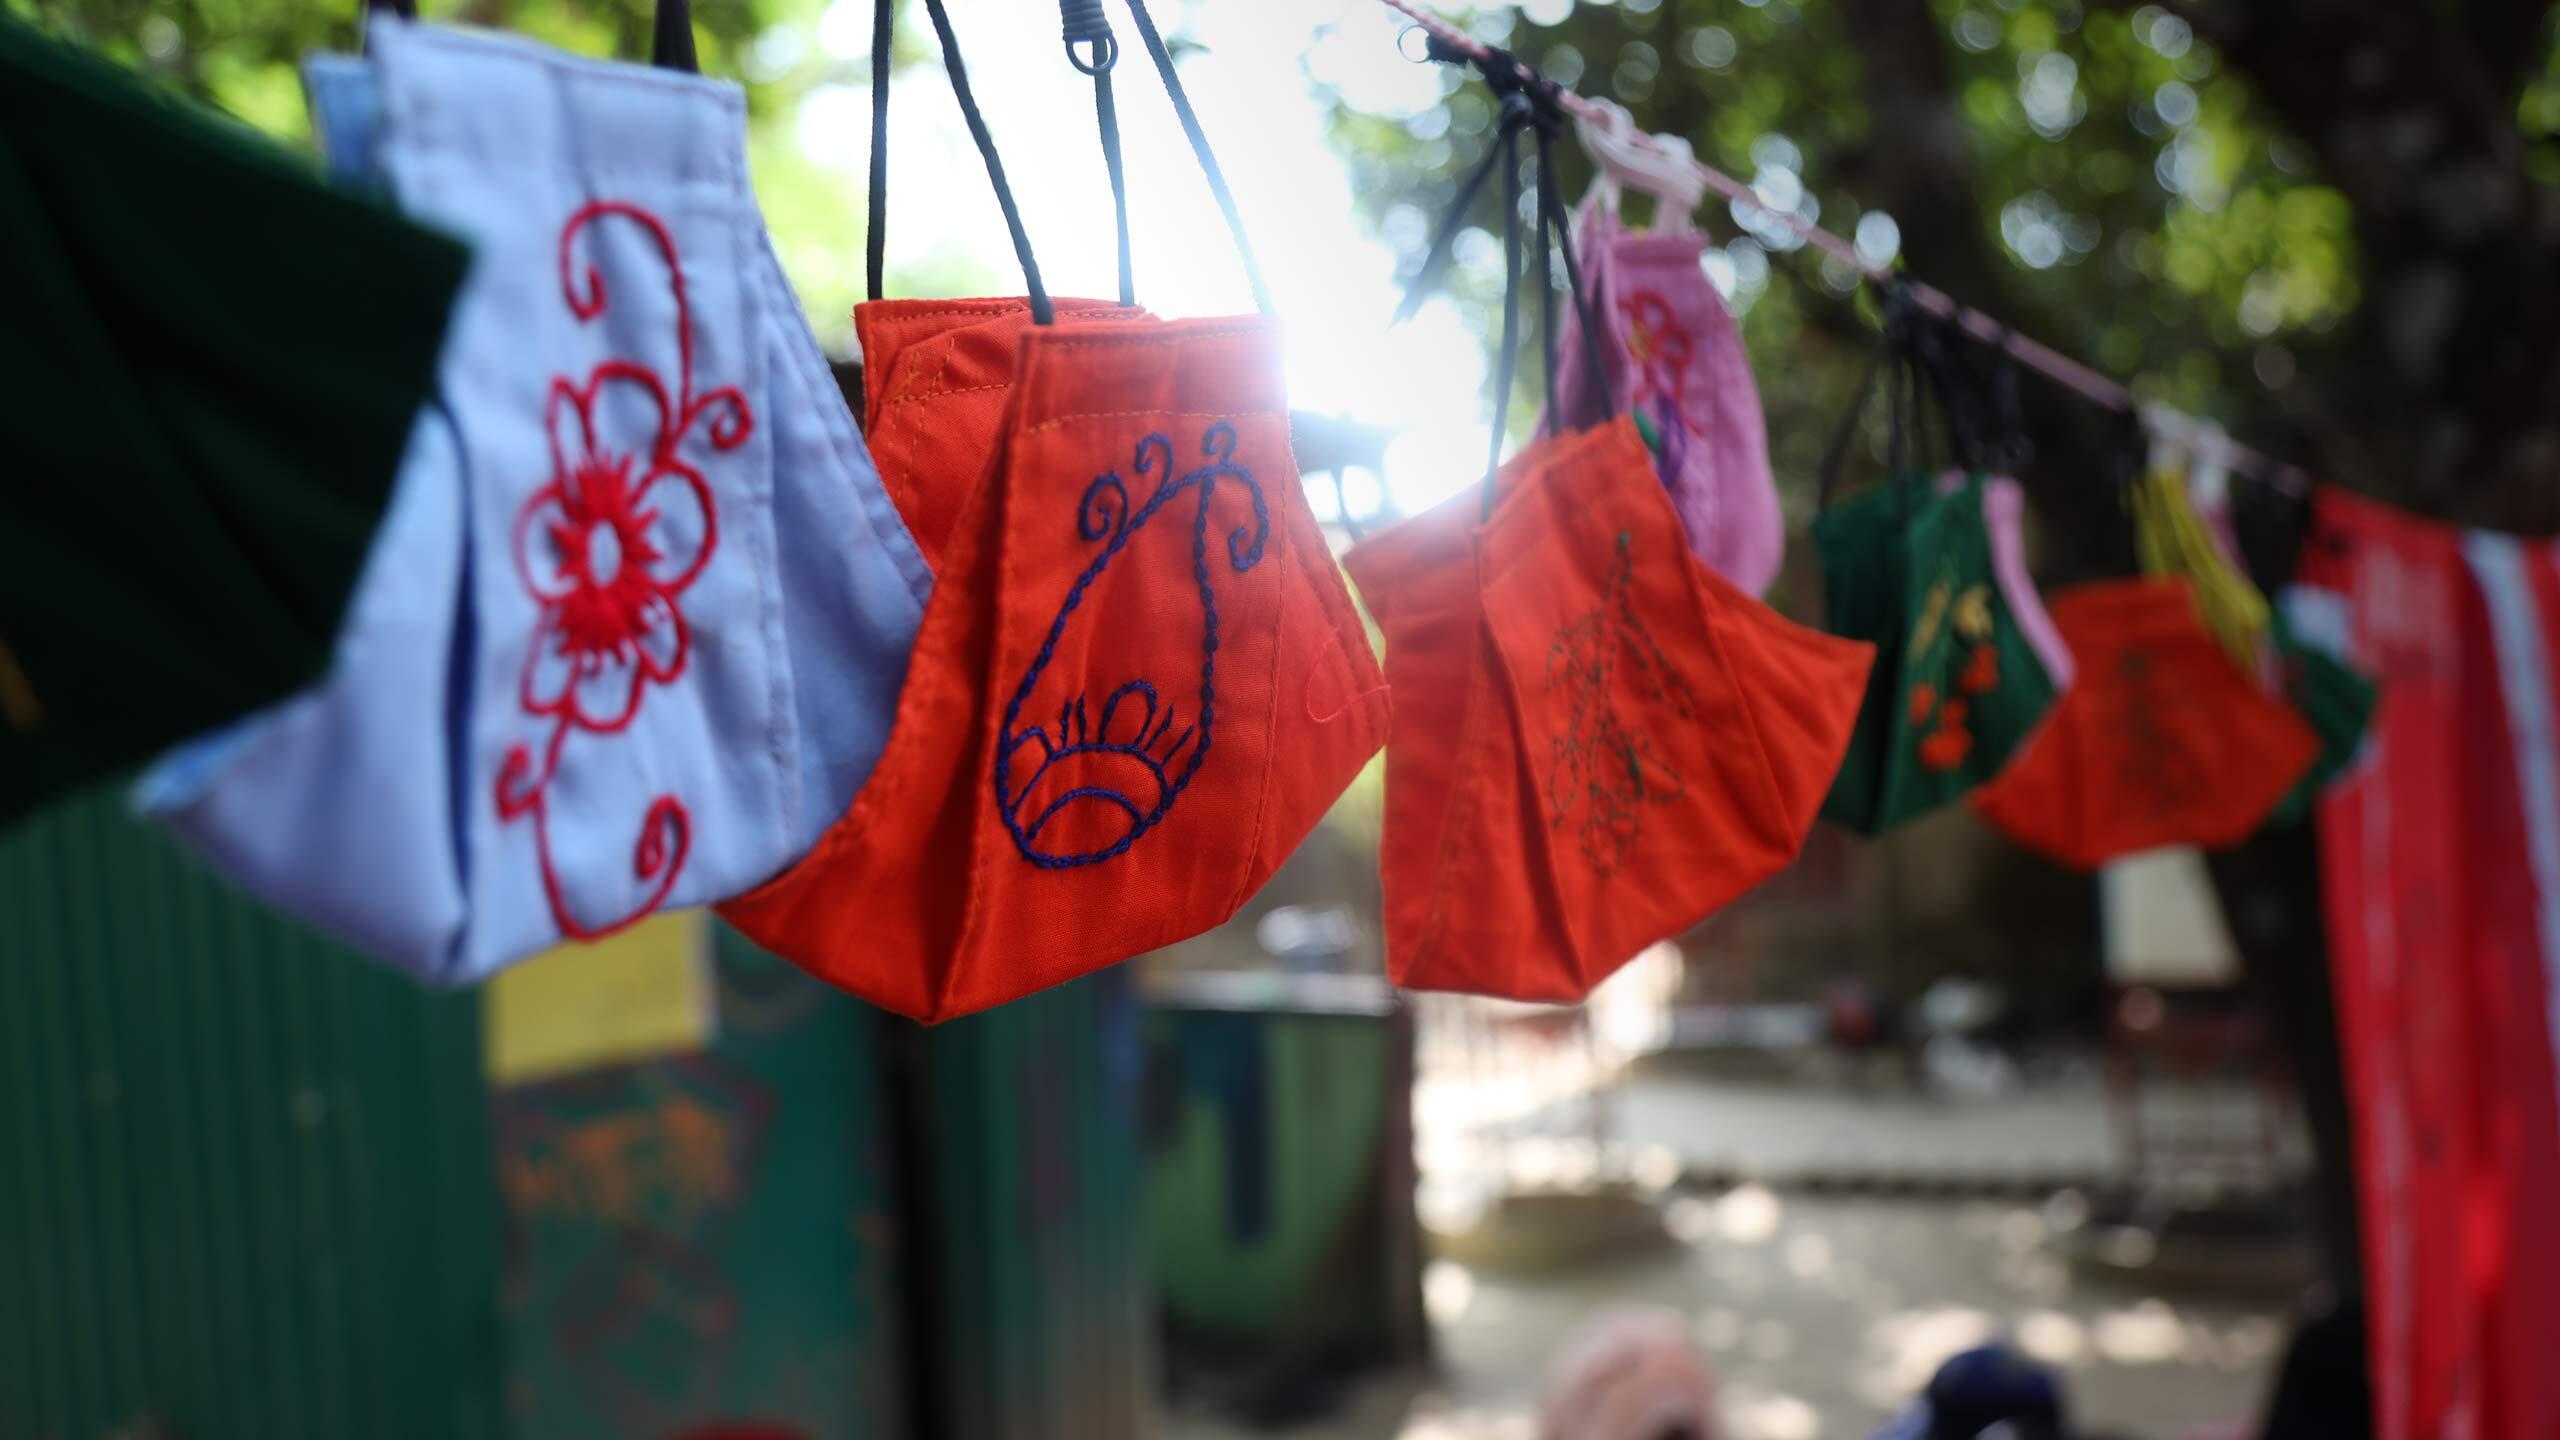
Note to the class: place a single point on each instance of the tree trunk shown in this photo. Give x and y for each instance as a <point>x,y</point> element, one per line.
<point>2443,393</point>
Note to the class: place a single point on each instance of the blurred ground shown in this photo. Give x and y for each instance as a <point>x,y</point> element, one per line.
<point>1832,1233</point>
<point>1822,1314</point>
<point>2056,1127</point>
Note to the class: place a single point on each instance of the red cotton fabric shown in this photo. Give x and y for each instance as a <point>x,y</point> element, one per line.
<point>2440,854</point>
<point>1598,741</point>
<point>2161,739</point>
<point>1139,684</point>
<point>936,376</point>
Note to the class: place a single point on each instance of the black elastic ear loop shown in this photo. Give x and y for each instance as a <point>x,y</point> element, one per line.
<point>1902,396</point>
<point>1508,364</point>
<point>1958,405</point>
<point>1342,502</point>
<point>884,24</point>
<point>1887,357</point>
<point>1451,221</point>
<point>1042,312</point>
<point>671,38</point>
<point>2017,448</point>
<point>1081,22</point>
<point>404,9</point>
<point>1200,148</point>
<point>1547,337</point>
<point>1553,221</point>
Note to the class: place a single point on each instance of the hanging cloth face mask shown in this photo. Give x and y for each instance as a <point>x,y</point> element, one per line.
<point>632,636</point>
<point>1598,740</point>
<point>204,423</point>
<point>937,376</point>
<point>1673,356</point>
<point>2172,539</point>
<point>1935,576</point>
<point>1140,682</point>
<point>2161,740</point>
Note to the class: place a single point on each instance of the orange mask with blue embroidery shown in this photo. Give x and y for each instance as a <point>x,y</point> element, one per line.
<point>1138,685</point>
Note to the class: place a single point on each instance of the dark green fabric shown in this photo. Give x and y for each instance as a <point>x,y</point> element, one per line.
<point>1909,570</point>
<point>209,364</point>
<point>2335,701</point>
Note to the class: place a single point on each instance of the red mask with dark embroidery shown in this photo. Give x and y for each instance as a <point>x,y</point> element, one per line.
<point>1598,740</point>
<point>2161,739</point>
<point>1139,684</point>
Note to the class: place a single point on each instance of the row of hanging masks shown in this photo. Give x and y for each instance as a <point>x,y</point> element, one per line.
<point>2132,713</point>
<point>1599,738</point>
<point>1055,669</point>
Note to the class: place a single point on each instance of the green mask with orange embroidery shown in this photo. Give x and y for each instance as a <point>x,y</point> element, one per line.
<point>1928,567</point>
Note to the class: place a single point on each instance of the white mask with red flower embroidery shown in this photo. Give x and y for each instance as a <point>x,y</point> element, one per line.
<point>632,634</point>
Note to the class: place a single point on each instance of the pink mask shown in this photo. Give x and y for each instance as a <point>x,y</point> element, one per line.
<point>1674,356</point>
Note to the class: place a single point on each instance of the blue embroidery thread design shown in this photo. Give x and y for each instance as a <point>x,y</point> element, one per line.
<point>1103,514</point>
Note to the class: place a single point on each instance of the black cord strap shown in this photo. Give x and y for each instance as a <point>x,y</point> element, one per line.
<point>1419,289</point>
<point>1200,148</point>
<point>1082,23</point>
<point>1042,312</point>
<point>1588,320</point>
<point>1893,362</point>
<point>884,24</point>
<point>671,38</point>
<point>1527,105</point>
<point>1107,115</point>
<point>1508,147</point>
<point>1546,269</point>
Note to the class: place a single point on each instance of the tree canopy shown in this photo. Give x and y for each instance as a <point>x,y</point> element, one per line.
<point>2331,224</point>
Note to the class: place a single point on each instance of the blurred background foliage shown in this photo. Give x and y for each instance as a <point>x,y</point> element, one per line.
<point>805,66</point>
<point>2306,233</point>
<point>2098,174</point>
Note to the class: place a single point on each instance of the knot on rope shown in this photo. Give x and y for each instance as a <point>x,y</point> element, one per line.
<point>1081,22</point>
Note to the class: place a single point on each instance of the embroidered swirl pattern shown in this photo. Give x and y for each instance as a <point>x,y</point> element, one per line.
<point>607,549</point>
<point>1124,756</point>
<point>1603,768</point>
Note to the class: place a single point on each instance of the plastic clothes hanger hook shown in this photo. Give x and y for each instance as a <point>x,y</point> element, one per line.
<point>1662,166</point>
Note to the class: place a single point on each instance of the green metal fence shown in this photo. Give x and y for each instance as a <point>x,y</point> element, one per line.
<point>250,1190</point>
<point>1039,1319</point>
<point>707,1239</point>
<point>244,1188</point>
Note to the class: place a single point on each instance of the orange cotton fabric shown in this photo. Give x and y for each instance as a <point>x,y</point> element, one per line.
<point>2161,739</point>
<point>1598,741</point>
<point>1092,759</point>
<point>936,376</point>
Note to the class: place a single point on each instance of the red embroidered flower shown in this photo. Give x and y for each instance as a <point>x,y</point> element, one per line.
<point>607,547</point>
<point>1982,674</point>
<point>1945,750</point>
<point>1924,699</point>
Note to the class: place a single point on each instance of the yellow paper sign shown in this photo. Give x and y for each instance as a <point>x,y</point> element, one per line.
<point>642,993</point>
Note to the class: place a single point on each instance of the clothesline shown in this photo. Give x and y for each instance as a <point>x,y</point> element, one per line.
<point>2061,368</point>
